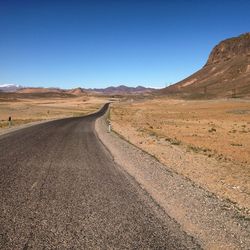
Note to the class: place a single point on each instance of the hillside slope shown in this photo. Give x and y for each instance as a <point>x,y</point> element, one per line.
<point>226,73</point>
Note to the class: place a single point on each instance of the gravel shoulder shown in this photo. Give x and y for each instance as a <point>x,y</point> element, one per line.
<point>215,223</point>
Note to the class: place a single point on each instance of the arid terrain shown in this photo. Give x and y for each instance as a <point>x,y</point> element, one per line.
<point>206,141</point>
<point>26,108</point>
<point>125,125</point>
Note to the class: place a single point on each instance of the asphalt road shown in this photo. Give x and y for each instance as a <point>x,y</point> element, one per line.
<point>60,189</point>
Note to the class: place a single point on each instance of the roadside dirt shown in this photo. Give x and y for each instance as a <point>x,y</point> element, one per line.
<point>215,223</point>
<point>205,141</point>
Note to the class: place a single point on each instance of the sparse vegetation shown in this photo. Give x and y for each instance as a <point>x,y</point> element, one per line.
<point>211,139</point>
<point>212,130</point>
<point>236,144</point>
<point>175,141</point>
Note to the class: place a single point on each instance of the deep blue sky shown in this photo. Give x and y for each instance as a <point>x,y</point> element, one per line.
<point>99,43</point>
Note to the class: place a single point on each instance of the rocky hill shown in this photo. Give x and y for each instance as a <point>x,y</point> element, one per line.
<point>225,74</point>
<point>76,91</point>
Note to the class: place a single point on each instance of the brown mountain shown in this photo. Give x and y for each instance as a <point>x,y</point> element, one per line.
<point>226,73</point>
<point>76,91</point>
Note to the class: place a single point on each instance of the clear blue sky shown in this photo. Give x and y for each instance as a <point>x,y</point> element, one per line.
<point>99,43</point>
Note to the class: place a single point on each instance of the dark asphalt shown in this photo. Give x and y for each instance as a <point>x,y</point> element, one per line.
<point>60,189</point>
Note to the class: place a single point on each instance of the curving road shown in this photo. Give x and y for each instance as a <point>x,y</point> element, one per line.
<point>60,189</point>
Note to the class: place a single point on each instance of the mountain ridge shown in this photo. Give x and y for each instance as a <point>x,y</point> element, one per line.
<point>121,89</point>
<point>225,74</point>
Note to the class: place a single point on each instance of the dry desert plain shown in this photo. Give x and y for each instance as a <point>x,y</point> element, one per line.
<point>30,108</point>
<point>207,141</point>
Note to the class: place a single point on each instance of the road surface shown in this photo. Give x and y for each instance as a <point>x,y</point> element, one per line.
<point>60,189</point>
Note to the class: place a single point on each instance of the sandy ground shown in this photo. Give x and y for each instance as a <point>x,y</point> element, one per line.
<point>27,110</point>
<point>214,223</point>
<point>206,141</point>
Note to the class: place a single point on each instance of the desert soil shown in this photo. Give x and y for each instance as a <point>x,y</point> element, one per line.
<point>30,110</point>
<point>205,141</point>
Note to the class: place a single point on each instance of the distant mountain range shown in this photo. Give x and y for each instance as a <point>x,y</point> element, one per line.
<point>122,89</point>
<point>9,87</point>
<point>226,73</point>
<point>119,90</point>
